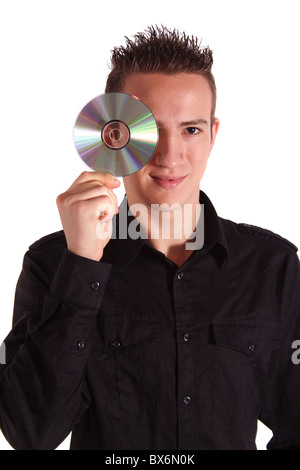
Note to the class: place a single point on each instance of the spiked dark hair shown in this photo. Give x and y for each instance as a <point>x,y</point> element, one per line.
<point>159,49</point>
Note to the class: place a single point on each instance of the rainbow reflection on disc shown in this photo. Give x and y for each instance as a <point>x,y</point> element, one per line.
<point>116,133</point>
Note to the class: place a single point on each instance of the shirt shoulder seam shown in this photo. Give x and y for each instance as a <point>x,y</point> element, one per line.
<point>53,237</point>
<point>268,234</point>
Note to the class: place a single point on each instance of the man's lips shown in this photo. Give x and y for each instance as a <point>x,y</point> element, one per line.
<point>167,182</point>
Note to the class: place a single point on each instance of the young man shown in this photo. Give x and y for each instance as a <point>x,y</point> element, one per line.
<point>143,343</point>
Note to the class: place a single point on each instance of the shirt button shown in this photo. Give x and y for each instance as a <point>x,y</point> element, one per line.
<point>81,345</point>
<point>95,285</point>
<point>186,337</point>
<point>180,275</point>
<point>116,344</point>
<point>187,400</point>
<point>252,347</point>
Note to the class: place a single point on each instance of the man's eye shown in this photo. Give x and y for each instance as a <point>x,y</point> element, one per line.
<point>192,130</point>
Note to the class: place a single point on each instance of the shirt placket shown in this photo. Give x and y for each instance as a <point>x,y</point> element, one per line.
<point>186,398</point>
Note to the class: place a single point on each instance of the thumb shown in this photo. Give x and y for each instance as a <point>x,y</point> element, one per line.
<point>110,181</point>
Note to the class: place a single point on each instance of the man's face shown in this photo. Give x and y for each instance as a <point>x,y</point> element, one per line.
<point>181,105</point>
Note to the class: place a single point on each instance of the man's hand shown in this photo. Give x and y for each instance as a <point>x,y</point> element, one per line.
<point>86,211</point>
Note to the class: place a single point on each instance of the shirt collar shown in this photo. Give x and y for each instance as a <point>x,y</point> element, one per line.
<point>123,249</point>
<point>214,235</point>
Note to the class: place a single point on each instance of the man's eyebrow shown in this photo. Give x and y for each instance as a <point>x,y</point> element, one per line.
<point>192,122</point>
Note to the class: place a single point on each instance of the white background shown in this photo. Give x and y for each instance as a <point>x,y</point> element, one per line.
<point>54,59</point>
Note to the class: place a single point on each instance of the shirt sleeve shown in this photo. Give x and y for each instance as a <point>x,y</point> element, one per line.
<point>42,387</point>
<point>281,407</point>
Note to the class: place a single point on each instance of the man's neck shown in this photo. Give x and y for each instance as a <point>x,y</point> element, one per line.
<point>178,253</point>
<point>169,231</point>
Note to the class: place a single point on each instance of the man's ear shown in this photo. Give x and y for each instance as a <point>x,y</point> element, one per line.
<point>214,131</point>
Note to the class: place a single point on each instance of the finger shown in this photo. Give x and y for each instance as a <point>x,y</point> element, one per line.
<point>104,178</point>
<point>109,204</point>
<point>104,192</point>
<point>104,230</point>
<point>105,211</point>
<point>89,191</point>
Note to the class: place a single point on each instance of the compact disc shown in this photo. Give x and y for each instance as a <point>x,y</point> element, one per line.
<point>116,133</point>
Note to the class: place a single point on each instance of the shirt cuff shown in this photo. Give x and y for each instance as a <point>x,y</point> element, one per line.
<point>80,281</point>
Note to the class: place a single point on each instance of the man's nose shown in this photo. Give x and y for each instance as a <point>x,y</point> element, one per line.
<point>169,152</point>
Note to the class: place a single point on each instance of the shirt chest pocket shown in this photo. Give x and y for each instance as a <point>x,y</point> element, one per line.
<point>124,353</point>
<point>242,353</point>
<point>125,332</point>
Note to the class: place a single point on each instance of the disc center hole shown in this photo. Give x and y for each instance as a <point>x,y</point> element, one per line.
<point>115,135</point>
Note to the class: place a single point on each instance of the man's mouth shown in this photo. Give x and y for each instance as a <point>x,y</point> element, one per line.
<point>168,182</point>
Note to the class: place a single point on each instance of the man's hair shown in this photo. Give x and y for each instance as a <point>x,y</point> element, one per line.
<point>159,49</point>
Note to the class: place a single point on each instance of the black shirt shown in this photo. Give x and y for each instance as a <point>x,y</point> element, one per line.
<point>134,352</point>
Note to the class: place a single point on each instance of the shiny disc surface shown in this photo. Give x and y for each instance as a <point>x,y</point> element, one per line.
<point>116,133</point>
